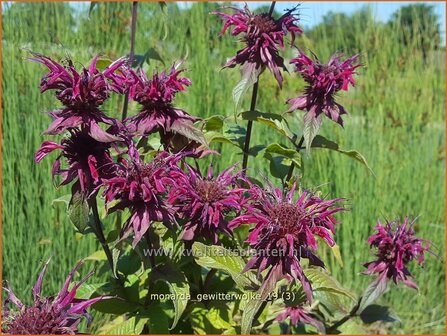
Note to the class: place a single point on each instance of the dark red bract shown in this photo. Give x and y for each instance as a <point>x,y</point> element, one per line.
<point>396,247</point>
<point>324,81</point>
<point>87,159</point>
<point>60,314</point>
<point>262,35</point>
<point>204,201</point>
<point>299,314</point>
<point>285,231</point>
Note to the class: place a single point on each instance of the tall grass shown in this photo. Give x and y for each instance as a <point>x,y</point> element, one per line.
<point>396,121</point>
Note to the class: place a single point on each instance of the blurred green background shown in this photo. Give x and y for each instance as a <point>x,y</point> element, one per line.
<point>396,120</point>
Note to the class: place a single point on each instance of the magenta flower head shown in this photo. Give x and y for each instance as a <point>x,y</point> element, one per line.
<point>60,314</point>
<point>299,314</point>
<point>82,93</point>
<point>285,232</point>
<point>87,160</point>
<point>324,81</point>
<point>141,188</point>
<point>156,95</point>
<point>262,35</point>
<point>203,202</point>
<point>396,246</point>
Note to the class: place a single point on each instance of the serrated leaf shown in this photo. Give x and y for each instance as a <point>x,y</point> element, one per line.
<point>322,142</point>
<point>272,120</point>
<point>249,77</point>
<point>206,321</point>
<point>222,259</point>
<point>311,128</point>
<point>78,211</point>
<point>132,326</point>
<point>178,286</point>
<point>322,281</point>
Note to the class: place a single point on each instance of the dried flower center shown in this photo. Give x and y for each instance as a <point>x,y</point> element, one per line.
<point>80,146</point>
<point>139,173</point>
<point>286,215</point>
<point>210,191</point>
<point>263,23</point>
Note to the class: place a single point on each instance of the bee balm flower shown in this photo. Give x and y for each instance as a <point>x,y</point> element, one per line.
<point>285,232</point>
<point>299,314</point>
<point>396,247</point>
<point>82,93</point>
<point>204,201</point>
<point>60,314</point>
<point>324,81</point>
<point>262,35</point>
<point>156,95</point>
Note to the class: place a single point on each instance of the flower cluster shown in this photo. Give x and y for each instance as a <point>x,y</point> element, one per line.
<point>262,35</point>
<point>60,314</point>
<point>299,314</point>
<point>396,246</point>
<point>285,231</point>
<point>324,81</point>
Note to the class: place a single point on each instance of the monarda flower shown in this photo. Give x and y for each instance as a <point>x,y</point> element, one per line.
<point>299,314</point>
<point>82,93</point>
<point>285,232</point>
<point>60,314</point>
<point>87,160</point>
<point>396,246</point>
<point>158,113</point>
<point>205,201</point>
<point>323,82</point>
<point>262,35</point>
<point>141,188</point>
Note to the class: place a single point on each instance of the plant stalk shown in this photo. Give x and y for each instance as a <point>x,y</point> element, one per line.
<point>133,29</point>
<point>272,7</point>
<point>346,318</point>
<point>254,97</point>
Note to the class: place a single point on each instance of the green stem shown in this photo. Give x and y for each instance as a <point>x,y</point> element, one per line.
<point>292,166</point>
<point>208,279</point>
<point>133,29</point>
<point>346,318</point>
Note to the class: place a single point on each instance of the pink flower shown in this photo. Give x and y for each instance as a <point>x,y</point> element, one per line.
<point>60,314</point>
<point>141,188</point>
<point>156,95</point>
<point>82,93</point>
<point>299,314</point>
<point>204,202</point>
<point>285,231</point>
<point>324,81</point>
<point>87,160</point>
<point>396,246</point>
<point>262,35</point>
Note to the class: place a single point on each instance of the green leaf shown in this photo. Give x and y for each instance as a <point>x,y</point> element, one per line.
<point>374,313</point>
<point>280,150</point>
<point>322,281</point>
<point>253,306</point>
<point>216,137</point>
<point>188,130</point>
<point>249,77</point>
<point>311,127</point>
<point>214,123</point>
<point>78,211</point>
<point>87,290</point>
<point>115,306</point>
<point>65,199</point>
<point>207,321</point>
<point>102,63</point>
<point>374,290</point>
<point>337,255</point>
<point>115,256</point>
<point>97,256</point>
<point>132,326</point>
<point>178,286</point>
<point>322,142</point>
<point>158,319</point>
<point>222,259</point>
<point>273,120</point>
